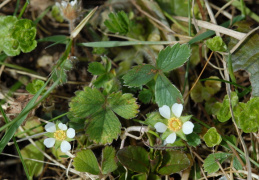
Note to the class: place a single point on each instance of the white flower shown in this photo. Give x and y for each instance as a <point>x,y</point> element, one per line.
<point>174,122</point>
<point>62,134</point>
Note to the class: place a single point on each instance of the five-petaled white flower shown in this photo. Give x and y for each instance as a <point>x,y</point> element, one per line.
<point>60,134</point>
<point>175,124</point>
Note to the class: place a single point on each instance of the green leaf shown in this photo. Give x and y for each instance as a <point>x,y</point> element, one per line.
<point>210,164</point>
<point>104,126</point>
<point>193,139</point>
<point>134,158</point>
<point>96,68</point>
<point>31,152</point>
<point>174,162</point>
<point>216,44</point>
<point>118,23</point>
<point>173,57</point>
<point>35,86</point>
<point>166,93</point>
<point>224,112</point>
<point>139,177</point>
<point>108,160</point>
<point>154,117</point>
<point>249,117</point>
<point>246,56</point>
<point>85,161</point>
<point>155,160</point>
<point>212,137</point>
<point>86,102</point>
<point>145,96</point>
<point>123,104</point>
<point>139,75</point>
<point>102,79</point>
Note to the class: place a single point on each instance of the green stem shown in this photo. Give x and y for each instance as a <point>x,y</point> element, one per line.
<point>243,8</point>
<point>16,7</point>
<point>23,9</point>
<point>230,68</point>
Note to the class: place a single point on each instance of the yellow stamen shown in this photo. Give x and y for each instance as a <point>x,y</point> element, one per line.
<point>60,135</point>
<point>174,124</point>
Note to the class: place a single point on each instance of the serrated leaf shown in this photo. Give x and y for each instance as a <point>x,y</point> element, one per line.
<point>139,75</point>
<point>96,68</point>
<point>108,160</point>
<point>85,161</point>
<point>31,152</point>
<point>123,104</point>
<point>249,117</point>
<point>102,79</point>
<point>166,93</point>
<point>174,162</point>
<point>216,44</point>
<point>34,86</point>
<point>118,22</point>
<point>212,137</point>
<point>87,102</point>
<point>103,127</point>
<point>246,56</point>
<point>210,164</point>
<point>224,112</point>
<point>193,139</point>
<point>173,57</point>
<point>135,158</point>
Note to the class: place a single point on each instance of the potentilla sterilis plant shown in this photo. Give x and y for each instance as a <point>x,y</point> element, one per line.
<point>176,124</point>
<point>59,135</point>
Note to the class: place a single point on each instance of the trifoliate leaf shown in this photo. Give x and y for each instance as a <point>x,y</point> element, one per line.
<point>139,75</point>
<point>210,163</point>
<point>108,160</point>
<point>145,96</point>
<point>249,117</point>
<point>134,158</point>
<point>212,137</point>
<point>166,93</point>
<point>123,104</point>
<point>173,162</point>
<point>224,113</point>
<point>31,152</point>
<point>87,102</point>
<point>216,44</point>
<point>118,23</point>
<point>85,161</point>
<point>103,127</point>
<point>96,68</point>
<point>35,86</point>
<point>173,57</point>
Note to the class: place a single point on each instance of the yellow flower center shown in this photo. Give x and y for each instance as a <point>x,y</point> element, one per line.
<point>60,135</point>
<point>174,124</point>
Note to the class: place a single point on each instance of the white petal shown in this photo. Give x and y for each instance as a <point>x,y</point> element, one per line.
<point>64,4</point>
<point>177,109</point>
<point>65,146</point>
<point>49,142</point>
<point>72,3</point>
<point>165,111</point>
<point>62,126</point>
<point>171,138</point>
<point>160,127</point>
<point>71,133</point>
<point>188,127</point>
<point>50,127</point>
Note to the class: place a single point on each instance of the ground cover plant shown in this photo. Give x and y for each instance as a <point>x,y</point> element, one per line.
<point>129,89</point>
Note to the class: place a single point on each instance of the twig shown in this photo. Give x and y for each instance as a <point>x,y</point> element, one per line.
<point>4,3</point>
<point>221,10</point>
<point>212,17</point>
<point>214,27</point>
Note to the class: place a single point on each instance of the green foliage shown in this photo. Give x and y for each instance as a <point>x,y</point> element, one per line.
<point>212,137</point>
<point>193,139</point>
<point>16,35</point>
<point>216,44</point>
<point>173,57</point>
<point>224,112</point>
<point>166,93</point>
<point>145,95</point>
<point>108,160</point>
<point>134,158</point>
<point>35,86</point>
<point>210,163</point>
<point>31,152</point>
<point>99,109</point>
<point>173,162</point>
<point>85,161</point>
<point>118,23</point>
